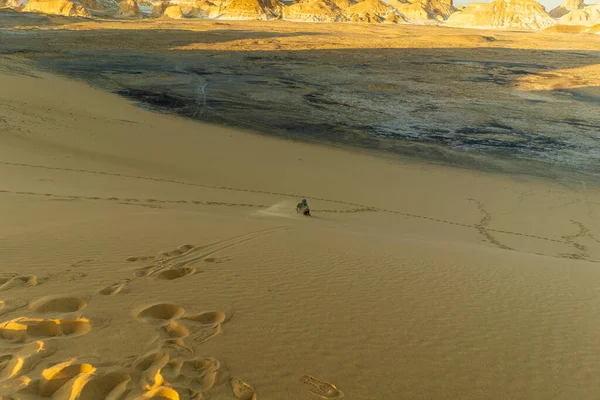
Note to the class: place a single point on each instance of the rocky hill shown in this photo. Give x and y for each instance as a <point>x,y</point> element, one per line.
<point>424,10</point>
<point>58,7</point>
<point>414,12</point>
<point>314,11</point>
<point>370,11</point>
<point>173,11</point>
<point>499,14</point>
<point>566,7</point>
<point>251,9</point>
<point>503,14</point>
<point>205,9</point>
<point>586,16</point>
<point>128,9</point>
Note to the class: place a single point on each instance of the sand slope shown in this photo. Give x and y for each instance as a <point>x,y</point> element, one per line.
<point>147,256</point>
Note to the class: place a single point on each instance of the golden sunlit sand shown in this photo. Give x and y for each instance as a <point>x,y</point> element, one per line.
<point>148,256</point>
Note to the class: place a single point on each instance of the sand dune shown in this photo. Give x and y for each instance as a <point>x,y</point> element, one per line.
<point>146,256</point>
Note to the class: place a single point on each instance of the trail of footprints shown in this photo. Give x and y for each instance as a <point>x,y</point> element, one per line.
<point>167,266</point>
<point>8,282</point>
<point>171,370</point>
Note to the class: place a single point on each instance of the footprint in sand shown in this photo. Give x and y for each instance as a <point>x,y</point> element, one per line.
<point>186,393</point>
<point>139,258</point>
<point>184,248</point>
<point>109,386</point>
<point>176,273</point>
<point>160,393</point>
<point>10,366</point>
<point>216,260</point>
<point>115,288</point>
<point>146,271</point>
<point>173,330</point>
<point>23,360</point>
<point>55,379</point>
<point>242,390</point>
<point>207,325</point>
<point>4,281</point>
<point>58,305</point>
<point>10,305</point>
<point>23,330</point>
<point>200,375</point>
<point>160,314</point>
<point>173,335</point>
<point>8,388</point>
<point>148,370</point>
<point>205,333</point>
<point>181,250</point>
<point>206,318</point>
<point>7,283</point>
<point>322,389</point>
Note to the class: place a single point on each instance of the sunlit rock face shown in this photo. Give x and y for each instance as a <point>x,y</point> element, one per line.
<point>503,14</point>
<point>587,16</point>
<point>566,7</point>
<point>58,7</point>
<point>424,10</point>
<point>128,9</point>
<point>314,11</point>
<point>369,11</point>
<point>251,9</point>
<point>174,12</point>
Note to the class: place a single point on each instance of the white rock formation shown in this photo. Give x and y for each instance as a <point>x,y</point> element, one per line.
<point>369,11</point>
<point>173,11</point>
<point>503,14</point>
<point>314,11</point>
<point>566,7</point>
<point>440,9</point>
<point>205,9</point>
<point>158,8</point>
<point>128,9</point>
<point>58,7</point>
<point>424,10</point>
<point>415,12</point>
<point>343,4</point>
<point>251,9</point>
<point>587,16</point>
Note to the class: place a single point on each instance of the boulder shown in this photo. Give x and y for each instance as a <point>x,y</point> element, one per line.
<point>128,9</point>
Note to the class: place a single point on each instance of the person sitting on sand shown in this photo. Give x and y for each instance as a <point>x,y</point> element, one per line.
<point>303,208</point>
